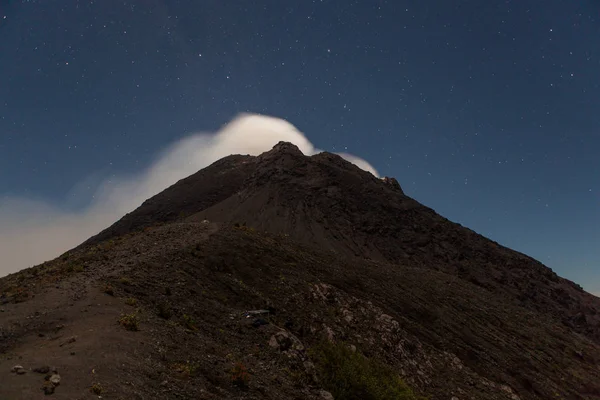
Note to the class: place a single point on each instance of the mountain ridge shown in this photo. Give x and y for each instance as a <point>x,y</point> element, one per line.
<point>330,251</point>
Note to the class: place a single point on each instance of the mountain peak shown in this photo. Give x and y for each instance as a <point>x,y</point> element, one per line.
<point>283,155</point>
<point>285,148</point>
<point>261,258</point>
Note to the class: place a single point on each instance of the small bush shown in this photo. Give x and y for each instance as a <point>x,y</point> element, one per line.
<point>300,377</point>
<point>131,301</point>
<point>239,375</point>
<point>125,281</point>
<point>189,322</point>
<point>350,375</point>
<point>96,389</point>
<point>108,245</point>
<point>186,369</point>
<point>74,268</point>
<point>130,322</point>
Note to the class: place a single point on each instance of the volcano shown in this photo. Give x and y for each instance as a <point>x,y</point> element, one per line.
<point>284,276</point>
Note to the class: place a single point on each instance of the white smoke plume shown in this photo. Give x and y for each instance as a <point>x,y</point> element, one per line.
<point>32,231</point>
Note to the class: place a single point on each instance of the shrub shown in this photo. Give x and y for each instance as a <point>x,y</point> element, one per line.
<point>125,281</point>
<point>107,245</point>
<point>189,322</point>
<point>131,322</point>
<point>96,389</point>
<point>131,301</point>
<point>186,369</point>
<point>349,375</point>
<point>239,375</point>
<point>74,268</point>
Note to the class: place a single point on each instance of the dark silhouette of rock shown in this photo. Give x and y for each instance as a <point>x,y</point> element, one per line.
<point>393,182</point>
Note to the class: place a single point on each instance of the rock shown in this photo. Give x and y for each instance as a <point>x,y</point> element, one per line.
<point>281,341</point>
<point>70,340</point>
<point>48,388</point>
<point>325,395</point>
<point>311,370</point>
<point>393,182</point>
<point>510,392</point>
<point>42,370</point>
<point>330,333</point>
<point>259,322</point>
<point>249,314</point>
<point>347,315</point>
<point>18,369</point>
<point>54,379</point>
<point>285,341</point>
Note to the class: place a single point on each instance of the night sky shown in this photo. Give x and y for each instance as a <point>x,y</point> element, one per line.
<point>487,111</point>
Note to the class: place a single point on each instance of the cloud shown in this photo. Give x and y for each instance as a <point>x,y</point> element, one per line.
<point>33,231</point>
<point>359,162</point>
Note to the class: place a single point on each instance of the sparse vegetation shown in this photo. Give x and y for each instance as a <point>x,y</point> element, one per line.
<point>186,369</point>
<point>130,301</point>
<point>349,375</point>
<point>16,292</point>
<point>96,389</point>
<point>243,227</point>
<point>108,245</point>
<point>130,322</point>
<point>299,376</point>
<point>72,267</point>
<point>189,322</point>
<point>239,375</point>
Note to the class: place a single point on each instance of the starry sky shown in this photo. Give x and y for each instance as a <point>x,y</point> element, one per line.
<point>486,111</point>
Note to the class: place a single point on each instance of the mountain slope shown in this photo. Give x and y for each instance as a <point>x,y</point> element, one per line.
<point>201,190</point>
<point>331,252</point>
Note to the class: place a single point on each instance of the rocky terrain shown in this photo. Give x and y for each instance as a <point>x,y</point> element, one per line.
<point>285,277</point>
